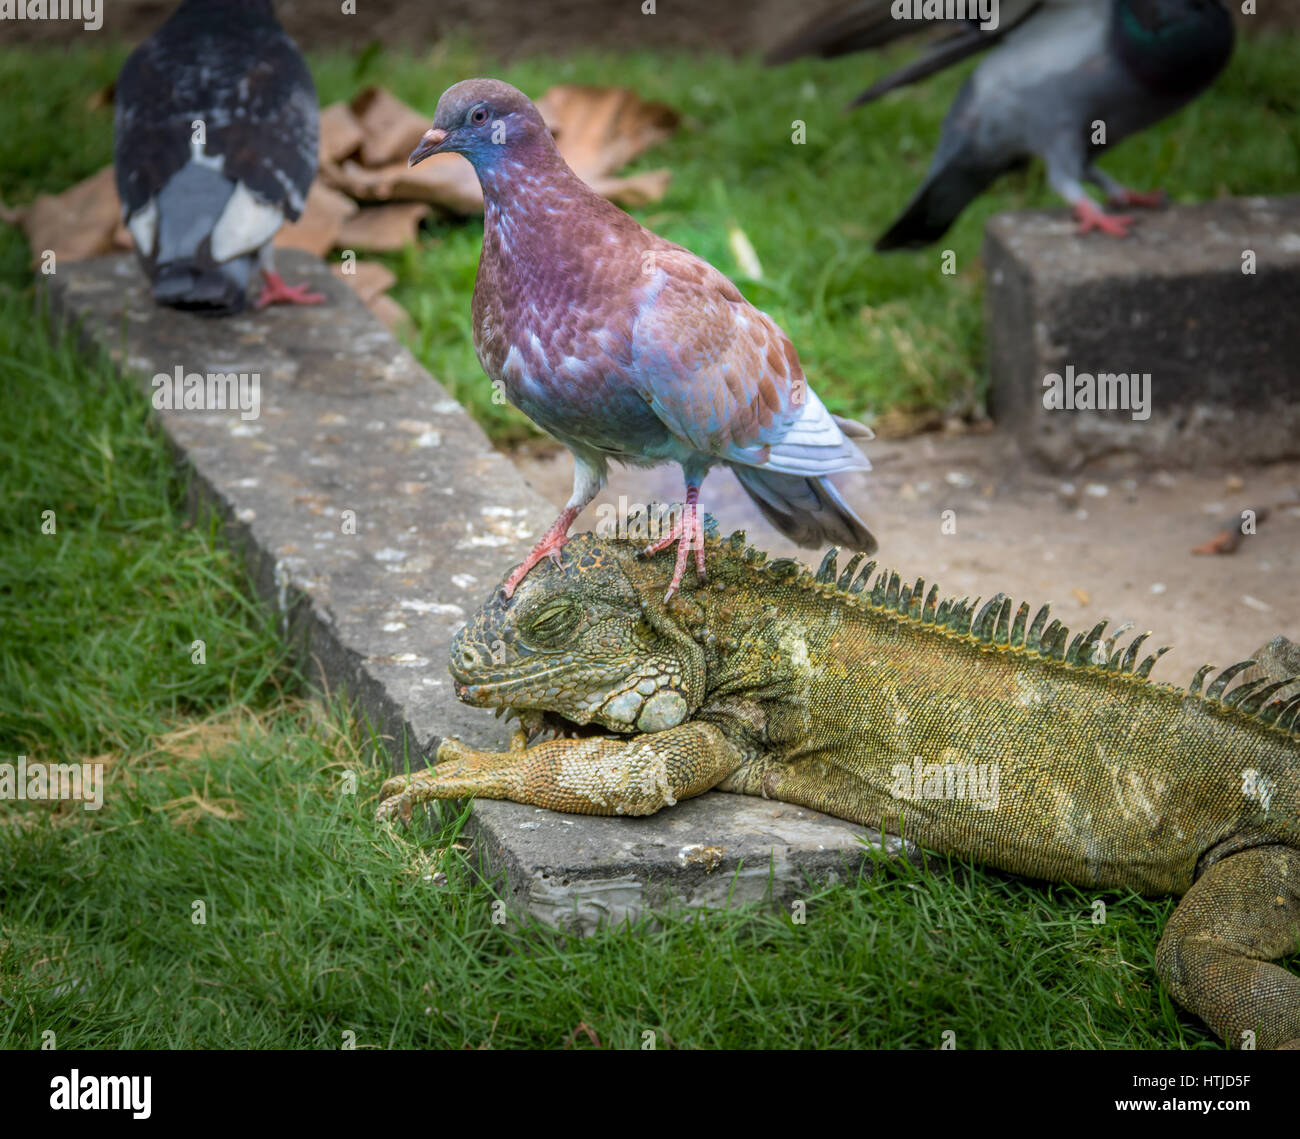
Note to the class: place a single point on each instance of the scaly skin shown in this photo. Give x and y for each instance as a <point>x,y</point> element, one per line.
<point>973,732</point>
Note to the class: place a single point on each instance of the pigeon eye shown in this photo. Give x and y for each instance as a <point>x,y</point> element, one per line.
<point>478,116</point>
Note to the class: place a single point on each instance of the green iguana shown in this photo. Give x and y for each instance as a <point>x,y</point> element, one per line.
<point>979,732</point>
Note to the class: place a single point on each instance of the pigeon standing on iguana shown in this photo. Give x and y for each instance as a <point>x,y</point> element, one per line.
<point>625,346</point>
<point>215,138</point>
<point>1058,71</point>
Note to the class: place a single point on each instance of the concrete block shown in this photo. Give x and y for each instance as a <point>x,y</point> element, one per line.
<point>576,872</point>
<point>1220,346</point>
<point>374,515</point>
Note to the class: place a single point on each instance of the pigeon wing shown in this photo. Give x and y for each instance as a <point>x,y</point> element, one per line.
<point>724,379</point>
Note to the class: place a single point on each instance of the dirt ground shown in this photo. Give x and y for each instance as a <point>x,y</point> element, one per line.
<point>1097,547</point>
<point>514,28</point>
<point>507,28</point>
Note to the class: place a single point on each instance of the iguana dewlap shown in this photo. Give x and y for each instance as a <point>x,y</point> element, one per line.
<point>974,732</point>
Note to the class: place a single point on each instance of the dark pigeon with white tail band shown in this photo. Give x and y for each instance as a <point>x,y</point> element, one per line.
<point>215,138</point>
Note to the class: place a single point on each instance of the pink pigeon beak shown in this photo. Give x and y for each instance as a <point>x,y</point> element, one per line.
<point>433,138</point>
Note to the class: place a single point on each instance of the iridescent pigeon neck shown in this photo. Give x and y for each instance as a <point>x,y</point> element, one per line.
<point>521,168</point>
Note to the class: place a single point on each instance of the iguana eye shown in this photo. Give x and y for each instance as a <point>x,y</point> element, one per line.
<point>553,622</point>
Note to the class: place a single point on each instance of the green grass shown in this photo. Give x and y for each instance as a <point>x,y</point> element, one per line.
<point>228,785</point>
<point>318,924</point>
<point>104,591</point>
<point>875,333</point>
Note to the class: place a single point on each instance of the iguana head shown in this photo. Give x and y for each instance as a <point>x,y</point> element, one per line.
<point>589,640</point>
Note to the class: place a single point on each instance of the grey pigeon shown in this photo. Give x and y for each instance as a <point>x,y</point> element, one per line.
<point>215,137</point>
<point>625,346</point>
<point>1057,68</point>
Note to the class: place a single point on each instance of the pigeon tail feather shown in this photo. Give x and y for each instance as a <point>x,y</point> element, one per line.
<point>808,511</point>
<point>950,50</point>
<point>817,443</point>
<point>865,25</point>
<point>936,205</point>
<point>207,290</point>
<point>870,24</point>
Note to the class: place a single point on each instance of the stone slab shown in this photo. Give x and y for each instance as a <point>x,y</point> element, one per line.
<point>1222,346</point>
<point>577,873</point>
<point>351,427</point>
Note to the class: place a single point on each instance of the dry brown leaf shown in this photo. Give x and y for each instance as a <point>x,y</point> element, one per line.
<point>393,315</point>
<point>209,736</point>
<point>1223,542</point>
<point>390,129</point>
<point>382,228</point>
<point>103,97</point>
<point>331,173</point>
<point>321,222</point>
<point>1228,538</point>
<point>586,1030</point>
<point>200,805</point>
<point>340,133</point>
<point>77,224</point>
<point>600,129</point>
<point>369,279</point>
<point>635,190</point>
<point>597,129</point>
<point>446,179</point>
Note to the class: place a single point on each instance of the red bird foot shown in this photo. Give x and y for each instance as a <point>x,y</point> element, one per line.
<point>1140,199</point>
<point>688,533</point>
<point>549,547</point>
<point>1090,218</point>
<point>275,291</point>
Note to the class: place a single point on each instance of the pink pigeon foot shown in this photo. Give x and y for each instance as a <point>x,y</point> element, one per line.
<point>549,547</point>
<point>275,291</point>
<point>1090,218</point>
<point>688,533</point>
<point>1142,199</point>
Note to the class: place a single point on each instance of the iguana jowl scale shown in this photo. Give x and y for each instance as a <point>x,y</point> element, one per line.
<point>825,690</point>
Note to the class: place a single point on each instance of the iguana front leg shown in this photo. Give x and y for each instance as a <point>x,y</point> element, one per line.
<point>597,775</point>
<point>1217,949</point>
